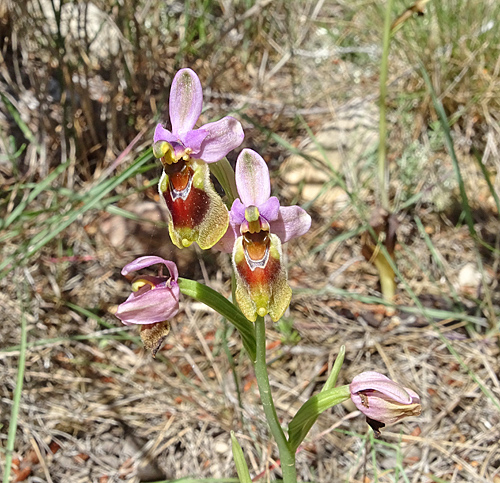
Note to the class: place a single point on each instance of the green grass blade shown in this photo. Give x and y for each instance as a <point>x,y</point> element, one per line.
<point>95,196</point>
<point>239,461</point>
<point>451,150</point>
<point>39,187</point>
<point>369,299</point>
<point>201,480</point>
<point>17,397</point>
<point>486,175</point>
<point>463,194</point>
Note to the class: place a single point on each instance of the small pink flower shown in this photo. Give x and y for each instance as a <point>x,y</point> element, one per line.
<point>153,298</point>
<point>382,400</point>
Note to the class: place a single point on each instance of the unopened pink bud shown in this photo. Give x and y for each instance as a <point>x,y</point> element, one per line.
<point>383,400</point>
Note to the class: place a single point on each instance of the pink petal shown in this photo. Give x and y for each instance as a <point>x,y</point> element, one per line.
<point>194,139</point>
<point>386,411</point>
<point>226,243</point>
<point>270,209</point>
<point>369,376</point>
<point>162,134</point>
<point>292,222</point>
<point>223,136</point>
<point>252,178</point>
<point>147,306</point>
<point>237,212</point>
<point>378,382</point>
<point>415,398</point>
<point>186,101</point>
<point>147,261</point>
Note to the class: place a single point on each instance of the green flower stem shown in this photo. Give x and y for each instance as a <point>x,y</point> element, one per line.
<point>286,455</point>
<point>224,173</point>
<point>220,304</point>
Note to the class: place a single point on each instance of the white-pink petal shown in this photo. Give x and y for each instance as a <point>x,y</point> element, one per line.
<point>292,221</point>
<point>148,306</point>
<point>375,381</point>
<point>186,101</point>
<point>222,136</point>
<point>252,178</point>
<point>226,243</point>
<point>162,134</point>
<point>147,261</point>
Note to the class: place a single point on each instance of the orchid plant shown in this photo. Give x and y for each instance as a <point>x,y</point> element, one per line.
<point>253,232</point>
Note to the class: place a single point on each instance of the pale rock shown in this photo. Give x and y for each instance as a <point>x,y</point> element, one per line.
<point>297,170</point>
<point>79,22</point>
<point>469,276</point>
<point>336,150</point>
<point>221,447</point>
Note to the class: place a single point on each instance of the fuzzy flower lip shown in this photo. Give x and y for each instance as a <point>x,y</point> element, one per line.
<point>154,298</point>
<point>209,143</point>
<point>254,190</point>
<point>383,400</point>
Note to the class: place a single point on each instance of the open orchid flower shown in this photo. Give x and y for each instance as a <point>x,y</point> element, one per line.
<point>383,401</point>
<point>258,225</point>
<point>153,301</point>
<point>197,213</point>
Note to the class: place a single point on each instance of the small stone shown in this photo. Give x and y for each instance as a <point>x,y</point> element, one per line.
<point>297,170</point>
<point>221,447</point>
<point>469,276</point>
<point>115,228</point>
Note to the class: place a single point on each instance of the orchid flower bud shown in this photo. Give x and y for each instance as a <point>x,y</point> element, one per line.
<point>383,401</point>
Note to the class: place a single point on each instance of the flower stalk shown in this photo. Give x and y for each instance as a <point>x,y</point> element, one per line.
<point>287,456</point>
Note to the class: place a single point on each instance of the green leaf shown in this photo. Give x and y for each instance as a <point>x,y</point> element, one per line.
<point>18,390</point>
<point>220,304</point>
<point>306,416</point>
<point>332,378</point>
<point>239,461</point>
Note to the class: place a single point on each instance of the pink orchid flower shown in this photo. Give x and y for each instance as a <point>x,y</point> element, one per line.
<point>258,225</point>
<point>197,213</point>
<point>154,298</point>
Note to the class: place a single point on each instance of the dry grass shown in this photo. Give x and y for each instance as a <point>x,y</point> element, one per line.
<point>95,407</point>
